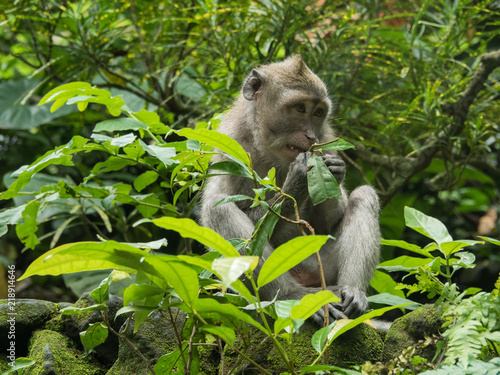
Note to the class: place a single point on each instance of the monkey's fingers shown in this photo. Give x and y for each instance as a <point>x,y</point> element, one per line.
<point>354,302</point>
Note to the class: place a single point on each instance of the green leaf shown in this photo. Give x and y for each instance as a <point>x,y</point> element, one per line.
<point>18,365</point>
<point>319,338</point>
<point>63,90</point>
<point>101,293</point>
<point>123,141</point>
<point>231,268</point>
<point>320,182</point>
<point>407,246</point>
<point>263,231</point>
<point>225,333</point>
<point>27,230</point>
<point>426,225</point>
<point>164,154</point>
<point>233,198</point>
<point>383,283</point>
<point>145,179</point>
<point>95,335</point>
<point>404,263</point>
<point>87,256</point>
<point>281,323</point>
<point>320,369</point>
<point>60,156</point>
<point>392,300</point>
<point>218,140</point>
<point>449,248</point>
<point>339,145</point>
<point>71,310</point>
<point>289,255</point>
<point>232,168</point>
<point>284,308</point>
<point>138,292</point>
<point>168,362</point>
<point>113,163</point>
<point>16,110</point>
<point>209,305</point>
<point>345,325</point>
<point>119,124</point>
<point>311,303</point>
<point>178,275</point>
<point>188,228</point>
<point>491,240</point>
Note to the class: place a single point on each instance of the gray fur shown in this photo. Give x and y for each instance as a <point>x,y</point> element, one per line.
<point>266,120</point>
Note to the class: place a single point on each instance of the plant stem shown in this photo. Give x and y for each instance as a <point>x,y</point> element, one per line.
<point>277,344</point>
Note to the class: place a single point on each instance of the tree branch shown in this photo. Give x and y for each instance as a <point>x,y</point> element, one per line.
<point>405,168</point>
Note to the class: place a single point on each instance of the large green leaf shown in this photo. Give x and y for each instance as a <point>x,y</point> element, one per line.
<point>426,225</point>
<point>231,268</point>
<point>88,256</point>
<point>289,255</point>
<point>311,303</point>
<point>217,140</point>
<point>383,283</point>
<point>339,145</point>
<point>95,335</point>
<point>17,113</point>
<point>404,263</point>
<point>407,246</point>
<point>345,325</point>
<point>225,333</point>
<point>119,124</point>
<point>449,248</point>
<point>320,182</point>
<point>209,305</point>
<point>188,228</point>
<point>27,230</point>
<point>392,300</point>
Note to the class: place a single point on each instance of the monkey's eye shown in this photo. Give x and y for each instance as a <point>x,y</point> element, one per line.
<point>319,112</point>
<point>301,108</point>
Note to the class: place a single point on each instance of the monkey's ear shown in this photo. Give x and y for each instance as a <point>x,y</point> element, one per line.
<point>252,85</point>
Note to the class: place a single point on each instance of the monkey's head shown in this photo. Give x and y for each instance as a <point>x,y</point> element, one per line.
<point>289,109</point>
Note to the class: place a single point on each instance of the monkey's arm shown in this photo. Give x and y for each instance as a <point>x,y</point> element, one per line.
<point>232,222</point>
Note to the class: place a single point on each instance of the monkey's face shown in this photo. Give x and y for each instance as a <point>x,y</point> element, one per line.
<point>299,122</point>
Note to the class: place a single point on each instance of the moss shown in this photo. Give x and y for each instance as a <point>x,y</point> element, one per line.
<point>355,347</point>
<point>55,353</point>
<point>30,315</point>
<point>409,329</point>
<point>154,338</point>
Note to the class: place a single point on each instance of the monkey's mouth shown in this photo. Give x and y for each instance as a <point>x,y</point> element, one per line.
<point>295,149</point>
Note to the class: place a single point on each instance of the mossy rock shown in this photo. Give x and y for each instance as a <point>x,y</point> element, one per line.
<point>30,315</point>
<point>354,347</point>
<point>155,337</point>
<point>73,324</point>
<point>410,329</point>
<point>54,353</point>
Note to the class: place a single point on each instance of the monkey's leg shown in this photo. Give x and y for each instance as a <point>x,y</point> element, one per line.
<point>356,250</point>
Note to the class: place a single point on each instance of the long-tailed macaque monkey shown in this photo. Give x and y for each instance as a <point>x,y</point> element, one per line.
<point>282,110</point>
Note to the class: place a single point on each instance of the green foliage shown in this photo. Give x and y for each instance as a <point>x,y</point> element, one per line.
<point>473,329</point>
<point>472,325</point>
<point>429,269</point>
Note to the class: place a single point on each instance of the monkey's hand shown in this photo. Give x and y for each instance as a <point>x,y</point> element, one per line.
<point>335,165</point>
<point>296,178</point>
<point>334,310</point>
<point>353,300</point>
